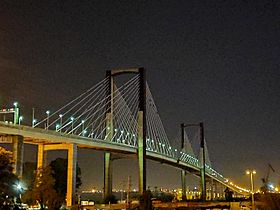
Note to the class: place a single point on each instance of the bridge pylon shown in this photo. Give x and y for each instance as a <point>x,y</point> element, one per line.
<point>141,124</point>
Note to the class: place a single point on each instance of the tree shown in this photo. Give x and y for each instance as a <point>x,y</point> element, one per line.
<point>8,180</point>
<point>28,177</point>
<point>59,168</point>
<point>43,189</point>
<point>29,172</point>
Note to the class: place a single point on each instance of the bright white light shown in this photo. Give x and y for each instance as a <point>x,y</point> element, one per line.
<point>72,118</point>
<point>20,118</point>
<point>15,104</point>
<point>19,186</point>
<point>48,112</point>
<point>61,115</point>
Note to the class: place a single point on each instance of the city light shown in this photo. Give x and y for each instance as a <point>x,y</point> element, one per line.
<point>19,186</point>
<point>20,119</point>
<point>33,122</point>
<point>48,115</point>
<point>252,173</point>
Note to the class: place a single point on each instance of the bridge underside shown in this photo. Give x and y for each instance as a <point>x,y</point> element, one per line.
<point>38,136</point>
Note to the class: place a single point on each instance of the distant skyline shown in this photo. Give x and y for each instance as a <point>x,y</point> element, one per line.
<point>211,61</point>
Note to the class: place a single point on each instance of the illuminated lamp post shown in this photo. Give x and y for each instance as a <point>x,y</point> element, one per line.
<point>60,116</point>
<point>16,113</point>
<point>252,173</point>
<point>20,119</point>
<point>48,118</point>
<point>72,125</point>
<point>33,122</point>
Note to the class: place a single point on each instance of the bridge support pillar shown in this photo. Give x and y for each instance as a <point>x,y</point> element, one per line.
<point>41,157</point>
<point>17,142</point>
<point>107,175</point>
<point>17,151</point>
<point>141,124</point>
<point>107,156</point>
<point>183,182</point>
<point>71,175</point>
<point>141,155</point>
<point>202,163</point>
<point>71,166</point>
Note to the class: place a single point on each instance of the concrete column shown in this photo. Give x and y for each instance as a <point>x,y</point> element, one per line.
<point>41,156</point>
<point>141,155</point>
<point>202,163</point>
<point>71,175</point>
<point>107,158</point>
<point>183,182</point>
<point>107,174</point>
<point>17,142</point>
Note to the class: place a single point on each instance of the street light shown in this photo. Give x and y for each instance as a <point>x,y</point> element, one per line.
<point>48,115</point>
<point>33,123</point>
<point>72,123</point>
<point>20,119</point>
<point>60,116</point>
<point>15,104</point>
<point>83,125</point>
<point>57,126</point>
<point>16,112</point>
<point>252,173</point>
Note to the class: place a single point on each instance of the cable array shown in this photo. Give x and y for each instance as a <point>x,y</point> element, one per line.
<point>157,139</point>
<point>105,113</point>
<point>86,115</point>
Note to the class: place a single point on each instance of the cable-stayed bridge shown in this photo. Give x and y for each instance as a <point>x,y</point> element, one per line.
<point>117,115</point>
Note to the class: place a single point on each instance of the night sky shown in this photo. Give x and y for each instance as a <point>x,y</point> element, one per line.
<point>211,61</point>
